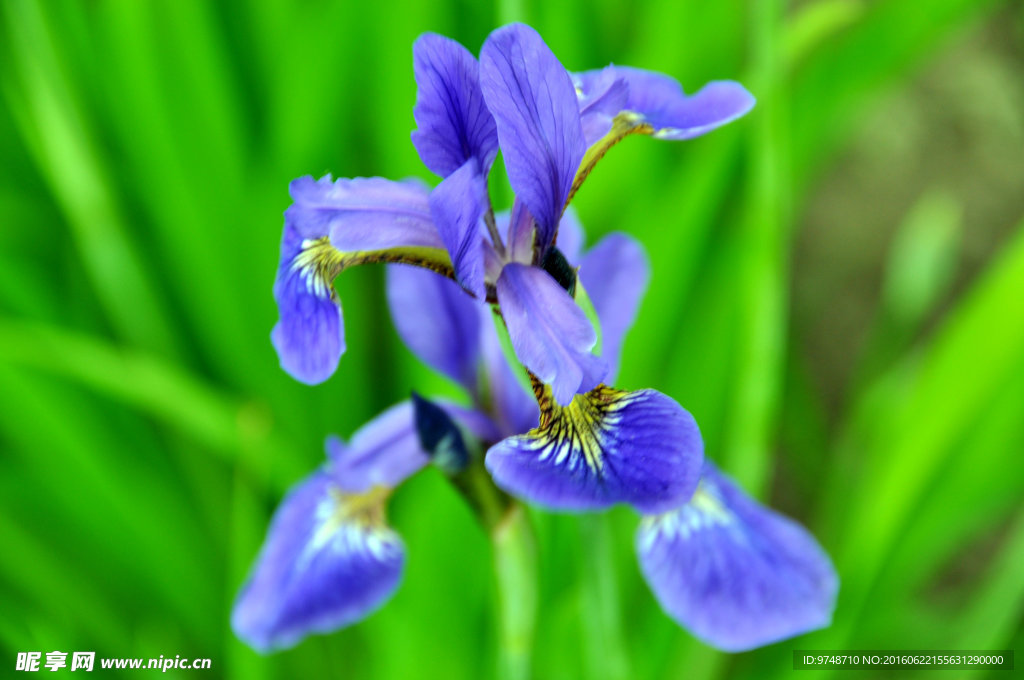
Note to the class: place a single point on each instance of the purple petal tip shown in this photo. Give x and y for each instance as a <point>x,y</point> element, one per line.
<point>318,570</point>
<point>734,573</point>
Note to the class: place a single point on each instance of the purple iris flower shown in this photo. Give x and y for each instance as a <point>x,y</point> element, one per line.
<point>736,574</point>
<point>607,446</point>
<point>552,127</point>
<point>329,559</point>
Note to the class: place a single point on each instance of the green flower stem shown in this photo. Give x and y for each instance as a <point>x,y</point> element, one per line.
<point>515,562</point>
<point>515,565</point>
<point>605,655</point>
<point>490,504</point>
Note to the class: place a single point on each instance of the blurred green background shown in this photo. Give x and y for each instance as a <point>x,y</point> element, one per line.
<point>838,297</point>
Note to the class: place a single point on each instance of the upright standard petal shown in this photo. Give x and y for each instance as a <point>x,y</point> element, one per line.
<point>381,454</point>
<point>570,236</point>
<point>452,122</point>
<point>309,336</point>
<point>437,321</point>
<point>734,573</point>
<point>534,105</point>
<point>550,334</point>
<point>456,205</point>
<point>363,214</point>
<point>521,231</point>
<point>606,447</point>
<point>615,274</point>
<point>327,561</point>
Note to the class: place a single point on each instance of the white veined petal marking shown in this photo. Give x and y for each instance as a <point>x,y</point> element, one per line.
<point>317,264</point>
<point>578,433</point>
<point>352,523</point>
<point>705,510</point>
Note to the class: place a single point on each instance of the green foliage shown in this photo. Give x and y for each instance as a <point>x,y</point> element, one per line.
<point>147,431</point>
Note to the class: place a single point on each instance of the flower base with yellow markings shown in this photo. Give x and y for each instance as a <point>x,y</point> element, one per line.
<point>607,446</point>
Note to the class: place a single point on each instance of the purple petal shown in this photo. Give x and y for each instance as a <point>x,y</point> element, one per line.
<point>550,334</point>
<point>320,568</point>
<point>607,447</point>
<point>456,206</point>
<point>383,453</point>
<point>714,105</point>
<point>453,123</point>
<point>520,233</point>
<point>363,213</point>
<point>456,335</point>
<point>734,573</point>
<point>570,236</point>
<point>437,321</point>
<point>615,274</point>
<point>534,105</point>
<point>601,94</point>
<point>309,336</point>
<point>515,408</point>
<point>673,114</point>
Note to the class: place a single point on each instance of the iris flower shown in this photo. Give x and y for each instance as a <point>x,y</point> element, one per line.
<point>552,127</point>
<point>595,445</point>
<point>329,558</point>
<point>608,446</point>
<point>734,573</point>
